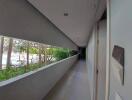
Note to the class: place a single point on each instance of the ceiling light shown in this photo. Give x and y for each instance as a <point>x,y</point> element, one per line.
<point>66,14</point>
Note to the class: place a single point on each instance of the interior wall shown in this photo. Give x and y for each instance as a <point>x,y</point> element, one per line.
<point>19,19</point>
<point>121,34</point>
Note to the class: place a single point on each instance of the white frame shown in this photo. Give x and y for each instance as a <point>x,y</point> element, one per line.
<point>108,52</point>
<point>108,60</point>
<point>95,63</point>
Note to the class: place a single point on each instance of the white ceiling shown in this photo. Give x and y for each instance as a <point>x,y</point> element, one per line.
<point>82,16</point>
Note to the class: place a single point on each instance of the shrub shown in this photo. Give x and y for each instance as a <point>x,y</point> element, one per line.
<point>60,53</point>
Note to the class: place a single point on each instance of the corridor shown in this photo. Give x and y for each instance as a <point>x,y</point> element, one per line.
<point>73,86</point>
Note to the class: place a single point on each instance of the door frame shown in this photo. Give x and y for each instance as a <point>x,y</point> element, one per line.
<point>95,62</point>
<point>108,60</point>
<point>108,51</point>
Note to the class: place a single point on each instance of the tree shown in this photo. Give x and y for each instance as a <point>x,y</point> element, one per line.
<point>61,53</point>
<point>44,52</point>
<point>45,55</point>
<point>9,52</point>
<point>40,52</point>
<point>33,49</point>
<point>50,53</point>
<point>1,50</point>
<point>28,44</point>
<point>18,45</point>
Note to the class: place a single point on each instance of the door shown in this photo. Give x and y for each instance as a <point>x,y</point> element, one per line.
<point>101,61</point>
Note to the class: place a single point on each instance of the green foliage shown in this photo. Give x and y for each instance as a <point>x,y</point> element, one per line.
<point>45,52</point>
<point>33,50</point>
<point>60,53</point>
<point>12,72</point>
<point>9,72</point>
<point>22,48</point>
<point>49,51</point>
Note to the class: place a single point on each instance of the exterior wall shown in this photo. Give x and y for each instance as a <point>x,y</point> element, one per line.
<point>19,19</point>
<point>121,34</point>
<point>101,60</point>
<point>36,84</point>
<point>91,60</point>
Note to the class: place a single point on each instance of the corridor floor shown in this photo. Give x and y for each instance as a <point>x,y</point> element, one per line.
<point>73,86</point>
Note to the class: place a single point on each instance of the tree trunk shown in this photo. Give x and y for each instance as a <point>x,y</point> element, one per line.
<point>45,56</point>
<point>9,52</point>
<point>50,55</point>
<point>1,50</point>
<point>19,56</point>
<point>27,53</point>
<point>43,51</point>
<point>40,51</point>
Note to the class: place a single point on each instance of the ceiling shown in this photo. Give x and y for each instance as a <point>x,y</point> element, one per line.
<point>80,16</point>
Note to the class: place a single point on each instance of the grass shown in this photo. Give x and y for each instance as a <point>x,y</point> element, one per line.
<point>11,72</point>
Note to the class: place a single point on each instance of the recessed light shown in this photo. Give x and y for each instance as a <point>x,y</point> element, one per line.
<point>66,14</point>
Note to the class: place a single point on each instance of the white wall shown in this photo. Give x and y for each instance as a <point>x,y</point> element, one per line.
<point>101,60</point>
<point>36,84</point>
<point>121,34</point>
<point>91,60</point>
<point>20,19</point>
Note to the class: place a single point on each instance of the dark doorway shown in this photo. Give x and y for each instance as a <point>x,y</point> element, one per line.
<point>82,53</point>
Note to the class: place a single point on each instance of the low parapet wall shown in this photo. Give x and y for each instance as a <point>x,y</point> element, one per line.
<point>35,84</point>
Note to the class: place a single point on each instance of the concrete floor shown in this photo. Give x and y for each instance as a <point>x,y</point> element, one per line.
<point>73,86</point>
